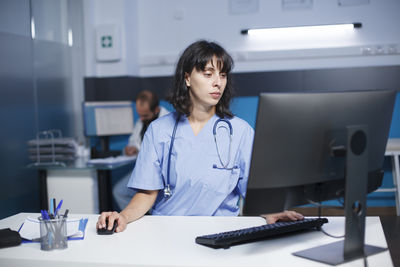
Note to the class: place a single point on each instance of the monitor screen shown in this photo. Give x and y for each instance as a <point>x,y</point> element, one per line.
<point>293,161</point>
<point>108,118</point>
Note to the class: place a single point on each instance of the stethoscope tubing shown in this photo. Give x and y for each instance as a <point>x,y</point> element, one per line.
<point>222,120</point>
<point>167,189</point>
<point>224,166</point>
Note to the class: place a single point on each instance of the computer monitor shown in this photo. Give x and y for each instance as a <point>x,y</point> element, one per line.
<point>318,146</point>
<point>108,118</point>
<point>105,119</point>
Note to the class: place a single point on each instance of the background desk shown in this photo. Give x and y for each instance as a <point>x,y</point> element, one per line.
<point>60,183</point>
<point>169,241</point>
<point>393,150</point>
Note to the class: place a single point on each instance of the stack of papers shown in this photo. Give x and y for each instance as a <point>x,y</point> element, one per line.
<point>112,160</point>
<point>54,149</point>
<point>30,229</point>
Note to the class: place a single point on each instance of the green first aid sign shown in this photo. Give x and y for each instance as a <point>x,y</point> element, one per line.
<point>106,41</point>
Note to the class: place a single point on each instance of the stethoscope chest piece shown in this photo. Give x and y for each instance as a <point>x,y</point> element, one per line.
<point>167,191</point>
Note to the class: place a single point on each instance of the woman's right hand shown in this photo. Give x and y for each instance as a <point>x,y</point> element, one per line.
<point>112,217</point>
<point>140,203</point>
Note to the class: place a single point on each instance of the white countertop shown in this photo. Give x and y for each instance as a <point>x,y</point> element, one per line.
<point>170,241</point>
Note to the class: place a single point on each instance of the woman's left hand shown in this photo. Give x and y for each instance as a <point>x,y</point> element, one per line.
<point>287,215</point>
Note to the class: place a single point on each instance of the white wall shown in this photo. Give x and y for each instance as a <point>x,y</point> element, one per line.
<point>123,14</point>
<point>163,28</point>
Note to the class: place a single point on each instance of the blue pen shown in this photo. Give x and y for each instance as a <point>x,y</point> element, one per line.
<point>43,216</point>
<point>46,215</point>
<point>58,207</point>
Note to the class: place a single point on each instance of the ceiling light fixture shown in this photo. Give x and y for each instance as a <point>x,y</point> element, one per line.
<point>302,29</point>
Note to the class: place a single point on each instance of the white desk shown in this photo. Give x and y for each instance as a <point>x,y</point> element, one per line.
<point>169,241</point>
<point>393,150</point>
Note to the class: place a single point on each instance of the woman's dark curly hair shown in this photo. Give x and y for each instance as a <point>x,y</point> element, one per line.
<point>197,55</point>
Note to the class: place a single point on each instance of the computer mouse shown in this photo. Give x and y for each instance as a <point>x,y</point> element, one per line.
<point>105,231</point>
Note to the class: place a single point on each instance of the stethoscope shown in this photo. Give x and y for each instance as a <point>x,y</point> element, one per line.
<point>167,187</point>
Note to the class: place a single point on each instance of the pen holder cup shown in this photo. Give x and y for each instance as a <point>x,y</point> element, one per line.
<point>53,233</point>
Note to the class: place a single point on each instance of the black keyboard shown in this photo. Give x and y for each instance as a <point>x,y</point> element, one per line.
<point>227,239</point>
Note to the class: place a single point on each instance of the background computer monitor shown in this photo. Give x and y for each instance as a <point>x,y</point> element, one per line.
<point>292,160</point>
<point>105,119</point>
<point>108,118</point>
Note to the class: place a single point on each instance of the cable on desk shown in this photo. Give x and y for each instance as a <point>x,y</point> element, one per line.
<point>320,214</point>
<point>340,199</point>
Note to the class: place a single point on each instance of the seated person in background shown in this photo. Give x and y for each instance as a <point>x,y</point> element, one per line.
<point>148,109</point>
<point>206,170</point>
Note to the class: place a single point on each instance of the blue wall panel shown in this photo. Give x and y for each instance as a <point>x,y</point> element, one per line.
<point>18,186</point>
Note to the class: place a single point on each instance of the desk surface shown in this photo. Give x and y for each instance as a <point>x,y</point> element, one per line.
<point>169,241</point>
<point>393,146</point>
<point>82,163</point>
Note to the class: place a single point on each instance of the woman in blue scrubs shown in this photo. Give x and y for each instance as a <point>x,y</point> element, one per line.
<point>205,169</point>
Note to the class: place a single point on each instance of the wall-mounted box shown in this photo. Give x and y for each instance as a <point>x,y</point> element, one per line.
<point>108,43</point>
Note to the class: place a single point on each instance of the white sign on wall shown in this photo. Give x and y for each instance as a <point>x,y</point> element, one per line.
<point>108,43</point>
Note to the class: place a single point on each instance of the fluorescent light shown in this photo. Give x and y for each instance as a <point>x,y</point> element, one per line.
<point>70,38</point>
<point>33,33</point>
<point>302,29</point>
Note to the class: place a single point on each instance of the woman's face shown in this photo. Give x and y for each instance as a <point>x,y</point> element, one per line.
<point>206,86</point>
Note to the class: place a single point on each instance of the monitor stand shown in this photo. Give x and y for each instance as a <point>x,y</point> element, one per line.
<point>104,151</point>
<point>352,247</point>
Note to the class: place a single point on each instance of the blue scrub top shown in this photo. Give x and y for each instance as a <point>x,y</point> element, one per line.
<point>197,187</point>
